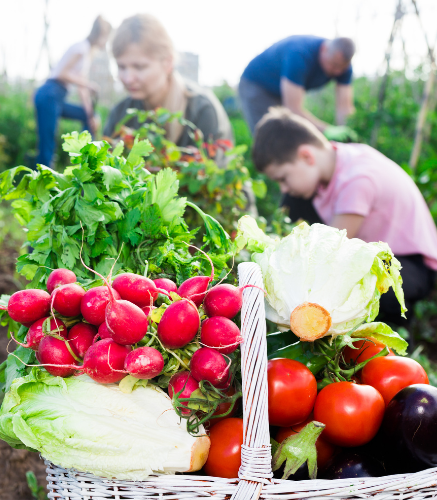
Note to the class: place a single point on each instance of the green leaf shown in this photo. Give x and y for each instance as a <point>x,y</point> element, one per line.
<point>259,188</point>
<point>237,151</point>
<point>139,149</point>
<point>91,193</point>
<point>214,230</point>
<point>83,174</point>
<point>198,405</point>
<point>194,185</point>
<point>298,449</point>
<point>118,150</point>
<point>163,191</point>
<point>74,142</point>
<point>7,189</point>
<point>16,364</point>
<point>383,333</point>
<point>22,211</point>
<point>151,220</point>
<point>127,227</point>
<point>112,177</point>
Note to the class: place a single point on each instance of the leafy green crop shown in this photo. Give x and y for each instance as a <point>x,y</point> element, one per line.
<point>211,174</point>
<point>117,207</point>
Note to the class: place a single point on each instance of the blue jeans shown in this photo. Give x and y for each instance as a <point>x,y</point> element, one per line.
<point>50,106</point>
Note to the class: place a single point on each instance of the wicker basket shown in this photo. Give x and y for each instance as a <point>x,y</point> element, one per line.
<point>255,475</point>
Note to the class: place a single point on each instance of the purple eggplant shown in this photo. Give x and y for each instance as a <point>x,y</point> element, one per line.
<point>410,427</point>
<point>352,463</point>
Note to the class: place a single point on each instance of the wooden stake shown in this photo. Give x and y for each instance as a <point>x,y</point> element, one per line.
<point>399,14</point>
<point>421,119</point>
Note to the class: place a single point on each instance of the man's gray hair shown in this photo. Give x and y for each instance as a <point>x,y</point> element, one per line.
<point>345,46</point>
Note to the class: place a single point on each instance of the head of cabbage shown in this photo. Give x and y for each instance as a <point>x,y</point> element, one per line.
<point>319,264</point>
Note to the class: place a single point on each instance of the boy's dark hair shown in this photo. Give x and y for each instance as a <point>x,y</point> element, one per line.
<point>278,136</point>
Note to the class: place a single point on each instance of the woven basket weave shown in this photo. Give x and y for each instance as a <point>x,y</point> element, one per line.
<point>255,474</point>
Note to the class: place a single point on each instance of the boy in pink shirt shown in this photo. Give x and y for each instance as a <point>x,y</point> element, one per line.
<point>353,187</point>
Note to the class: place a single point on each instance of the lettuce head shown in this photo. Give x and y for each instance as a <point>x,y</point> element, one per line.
<point>319,264</point>
<point>77,423</point>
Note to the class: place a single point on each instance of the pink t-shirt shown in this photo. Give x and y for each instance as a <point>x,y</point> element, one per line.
<point>367,183</point>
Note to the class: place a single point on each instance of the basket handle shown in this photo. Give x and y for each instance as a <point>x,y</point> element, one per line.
<point>256,457</point>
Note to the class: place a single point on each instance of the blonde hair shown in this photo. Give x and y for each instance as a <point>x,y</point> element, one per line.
<point>100,27</point>
<point>146,31</point>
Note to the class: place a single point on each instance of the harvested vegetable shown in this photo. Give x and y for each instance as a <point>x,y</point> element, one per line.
<point>78,423</point>
<point>319,265</point>
<point>310,321</point>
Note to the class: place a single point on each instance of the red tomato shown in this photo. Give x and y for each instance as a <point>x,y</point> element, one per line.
<point>224,457</point>
<point>390,375</point>
<point>366,349</point>
<point>325,450</point>
<point>292,391</point>
<point>223,408</point>
<point>351,412</point>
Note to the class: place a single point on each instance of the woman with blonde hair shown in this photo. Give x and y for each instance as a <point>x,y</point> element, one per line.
<point>145,58</point>
<point>72,69</point>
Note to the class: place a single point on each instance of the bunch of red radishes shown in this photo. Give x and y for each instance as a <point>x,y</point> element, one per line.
<point>110,321</point>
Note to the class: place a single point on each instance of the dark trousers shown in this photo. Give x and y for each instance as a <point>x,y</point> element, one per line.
<point>255,102</point>
<point>418,282</point>
<point>50,106</point>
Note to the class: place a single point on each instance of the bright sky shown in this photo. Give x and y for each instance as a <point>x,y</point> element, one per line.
<point>226,33</point>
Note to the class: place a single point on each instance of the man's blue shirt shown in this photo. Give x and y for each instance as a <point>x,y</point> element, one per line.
<point>295,58</point>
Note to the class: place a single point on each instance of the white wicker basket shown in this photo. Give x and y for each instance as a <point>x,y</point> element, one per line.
<point>255,475</point>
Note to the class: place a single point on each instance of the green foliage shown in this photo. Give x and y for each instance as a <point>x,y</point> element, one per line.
<point>106,206</point>
<point>18,130</point>
<point>38,492</point>
<point>212,175</point>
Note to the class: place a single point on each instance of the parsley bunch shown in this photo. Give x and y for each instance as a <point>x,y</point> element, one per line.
<point>118,207</point>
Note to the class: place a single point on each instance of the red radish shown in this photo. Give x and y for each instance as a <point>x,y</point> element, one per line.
<point>52,351</point>
<point>103,331</point>
<point>148,309</point>
<point>104,361</point>
<point>182,381</point>
<point>67,299</point>
<point>60,277</point>
<point>166,284</point>
<point>137,289</point>
<point>195,289</point>
<point>221,334</point>
<point>39,330</point>
<point>224,408</point>
<point>28,306</point>
<point>126,322</point>
<point>94,304</point>
<point>81,338</point>
<point>179,324</point>
<point>208,364</point>
<point>223,300</point>
<point>144,363</point>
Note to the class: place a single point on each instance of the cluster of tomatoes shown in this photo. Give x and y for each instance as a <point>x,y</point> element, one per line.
<point>352,411</point>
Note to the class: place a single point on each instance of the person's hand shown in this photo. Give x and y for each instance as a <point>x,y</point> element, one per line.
<point>94,123</point>
<point>340,133</point>
<point>94,87</point>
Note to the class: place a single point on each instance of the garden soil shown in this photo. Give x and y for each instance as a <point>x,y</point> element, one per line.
<point>15,463</point>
